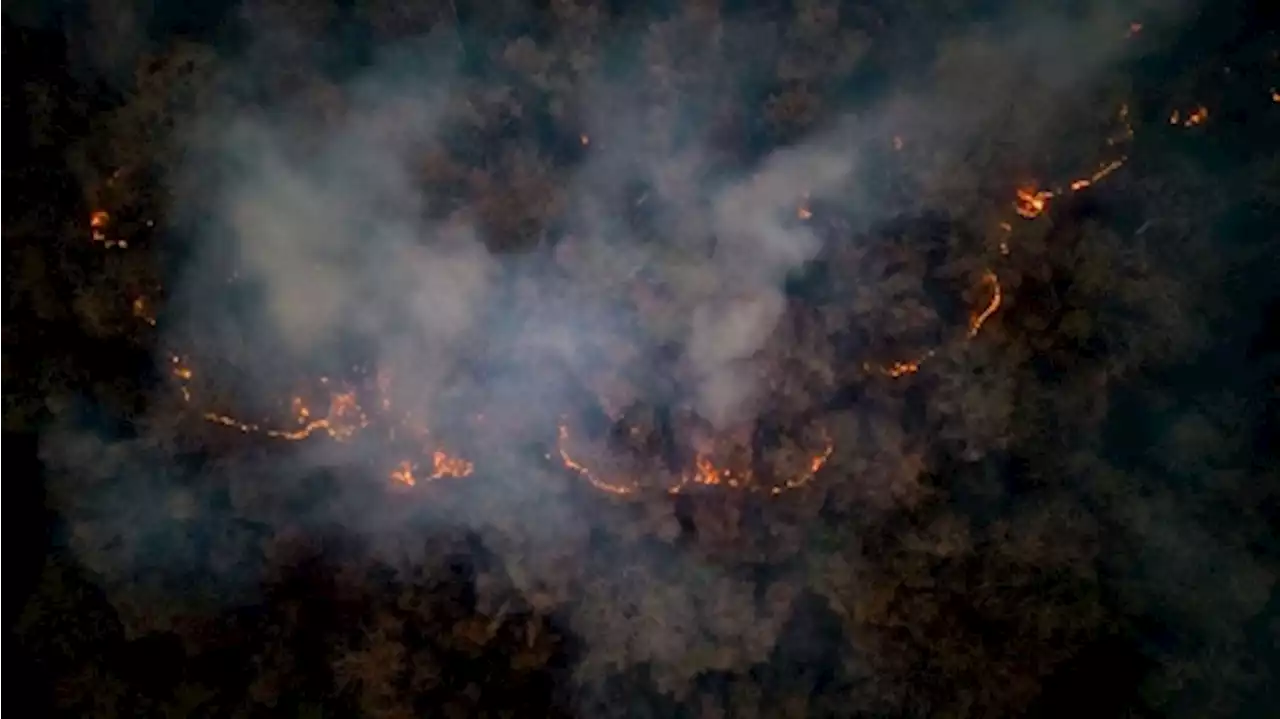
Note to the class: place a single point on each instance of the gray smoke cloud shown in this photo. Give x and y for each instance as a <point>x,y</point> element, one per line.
<point>327,222</point>
<point>324,222</point>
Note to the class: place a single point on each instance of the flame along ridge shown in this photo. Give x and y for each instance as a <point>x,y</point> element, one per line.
<point>345,417</point>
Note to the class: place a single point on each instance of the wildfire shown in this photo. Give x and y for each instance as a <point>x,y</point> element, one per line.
<point>180,369</point>
<point>1031,202</point>
<point>1197,116</point>
<point>343,419</point>
<point>583,471</point>
<point>1126,132</point>
<point>802,211</point>
<point>976,322</point>
<point>403,473</point>
<point>704,472</point>
<point>142,310</point>
<point>1101,173</point>
<point>442,465</point>
<point>340,415</point>
<point>898,369</point>
<point>98,222</point>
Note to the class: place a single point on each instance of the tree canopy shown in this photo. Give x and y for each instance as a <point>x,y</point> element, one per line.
<point>708,358</point>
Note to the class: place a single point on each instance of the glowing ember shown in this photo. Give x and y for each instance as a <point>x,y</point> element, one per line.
<point>898,369</point>
<point>403,473</point>
<point>442,464</point>
<point>180,370</point>
<point>561,447</point>
<point>340,416</point>
<point>142,310</point>
<point>803,212</point>
<point>1031,202</point>
<point>98,222</point>
<point>704,473</point>
<point>1198,116</point>
<point>976,322</point>
<point>445,466</point>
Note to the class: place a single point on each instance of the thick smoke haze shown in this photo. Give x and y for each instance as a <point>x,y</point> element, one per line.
<point>329,238</point>
<point>321,222</point>
<point>327,223</point>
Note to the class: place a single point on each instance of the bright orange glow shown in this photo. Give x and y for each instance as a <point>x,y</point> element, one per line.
<point>1031,202</point>
<point>445,466</point>
<point>898,369</point>
<point>180,370</point>
<point>98,222</point>
<point>142,310</point>
<point>334,409</point>
<point>706,473</point>
<point>571,463</point>
<point>976,322</point>
<point>403,473</point>
<point>442,466</point>
<point>703,473</point>
<point>802,211</point>
<point>1197,116</point>
<point>1101,173</point>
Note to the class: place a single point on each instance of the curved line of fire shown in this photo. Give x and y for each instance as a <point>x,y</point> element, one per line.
<point>345,417</point>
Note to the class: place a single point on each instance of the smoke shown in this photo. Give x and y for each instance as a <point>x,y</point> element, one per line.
<point>323,222</point>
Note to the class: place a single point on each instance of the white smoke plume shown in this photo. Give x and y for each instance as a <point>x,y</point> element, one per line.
<point>326,224</point>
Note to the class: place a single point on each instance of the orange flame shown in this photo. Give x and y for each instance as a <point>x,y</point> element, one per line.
<point>98,221</point>
<point>1031,202</point>
<point>704,472</point>
<point>403,473</point>
<point>976,322</point>
<point>583,471</point>
<point>898,369</point>
<point>1197,116</point>
<point>445,466</point>
<point>345,417</point>
<point>142,310</point>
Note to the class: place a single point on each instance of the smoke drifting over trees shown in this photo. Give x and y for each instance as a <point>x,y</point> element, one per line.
<point>806,358</point>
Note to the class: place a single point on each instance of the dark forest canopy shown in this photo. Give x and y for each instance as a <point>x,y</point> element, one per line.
<point>705,358</point>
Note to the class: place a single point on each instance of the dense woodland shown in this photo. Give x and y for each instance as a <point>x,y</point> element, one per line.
<point>705,358</point>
